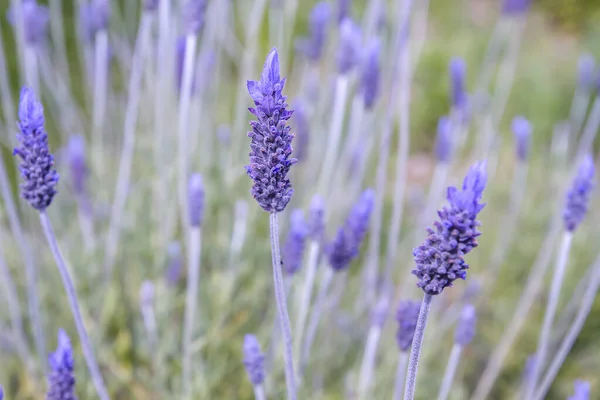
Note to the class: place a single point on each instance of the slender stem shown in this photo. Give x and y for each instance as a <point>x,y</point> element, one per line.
<point>590,131</point>
<point>544,339</point>
<point>368,362</point>
<point>150,324</point>
<point>238,235</point>
<point>450,371</point>
<point>86,222</point>
<point>8,109</point>
<point>183,131</point>
<point>284,319</point>
<point>191,299</point>
<point>579,107</point>
<point>100,93</point>
<point>86,346</point>
<point>57,33</point>
<point>571,336</point>
<point>31,68</point>
<point>334,134</point>
<point>19,28</point>
<point>259,392</point>
<point>413,364</point>
<point>400,375</point>
<point>126,160</point>
<point>304,304</point>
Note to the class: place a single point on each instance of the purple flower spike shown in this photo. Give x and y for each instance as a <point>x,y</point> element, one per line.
<point>350,42</point>
<point>77,164</point>
<point>457,80</point>
<point>407,316</point>
<point>529,367</point>
<point>343,9</point>
<point>93,18</point>
<point>254,360</point>
<point>194,15</point>
<point>465,330</point>
<point>380,312</point>
<point>316,218</point>
<point>370,74</point>
<point>146,294</point>
<point>582,391</point>
<point>440,258</point>
<point>37,165</point>
<point>1,393</point>
<point>350,236</point>
<point>175,264</point>
<point>587,65</point>
<point>271,145</point>
<point>302,138</point>
<point>150,5</point>
<point>443,143</point>
<point>312,46</point>
<point>35,20</point>
<point>180,60</point>
<point>196,199</point>
<point>515,6</point>
<point>578,197</point>
<point>522,130</point>
<point>61,381</point>
<point>293,249</point>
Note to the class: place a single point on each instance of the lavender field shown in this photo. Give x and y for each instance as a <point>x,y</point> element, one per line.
<point>285,199</point>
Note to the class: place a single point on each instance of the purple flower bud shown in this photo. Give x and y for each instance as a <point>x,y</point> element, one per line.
<point>515,6</point>
<point>522,130</point>
<point>150,5</point>
<point>93,17</point>
<point>407,316</point>
<point>175,264</point>
<point>77,163</point>
<point>443,142</point>
<point>350,42</point>
<point>579,195</point>
<point>457,82</point>
<point>146,294</point>
<point>302,138</point>
<point>350,236</point>
<point>196,199</point>
<point>37,166</point>
<point>529,367</point>
<point>465,330</point>
<point>254,360</point>
<point>1,393</point>
<point>293,249</point>
<point>370,74</point>
<point>35,20</point>
<point>380,312</point>
<point>343,9</point>
<point>440,258</point>
<point>312,46</point>
<point>271,144</point>
<point>316,218</point>
<point>587,65</point>
<point>582,390</point>
<point>61,381</point>
<point>194,15</point>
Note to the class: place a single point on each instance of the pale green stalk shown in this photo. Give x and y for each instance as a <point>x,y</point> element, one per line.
<point>99,103</point>
<point>367,367</point>
<point>400,376</point>
<point>450,371</point>
<point>551,306</point>
<point>415,351</point>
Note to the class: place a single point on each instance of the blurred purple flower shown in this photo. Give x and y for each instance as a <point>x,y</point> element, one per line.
<point>77,163</point>
<point>316,218</point>
<point>146,294</point>
<point>293,249</point>
<point>443,142</point>
<point>175,263</point>
<point>440,258</point>
<point>407,316</point>
<point>380,312</point>
<point>93,17</point>
<point>515,6</point>
<point>61,381</point>
<point>465,330</point>
<point>586,67</point>
<point>196,199</point>
<point>37,165</point>
<point>349,46</point>
<point>302,137</point>
<point>194,15</point>
<point>312,46</point>
<point>370,74</point>
<point>150,5</point>
<point>522,131</point>
<point>578,197</point>
<point>254,360</point>
<point>35,20</point>
<point>582,390</point>
<point>457,83</point>
<point>343,9</point>
<point>271,144</point>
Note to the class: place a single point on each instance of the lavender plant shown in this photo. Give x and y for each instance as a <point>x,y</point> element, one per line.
<point>253,361</point>
<point>407,315</point>
<point>61,381</point>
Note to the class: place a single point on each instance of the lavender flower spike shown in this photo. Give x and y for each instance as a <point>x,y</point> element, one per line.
<point>312,46</point>
<point>196,199</point>
<point>512,7</point>
<point>62,379</point>
<point>407,314</point>
<point>150,5</point>
<point>350,41</point>
<point>37,166</point>
<point>440,259</point>
<point>35,18</point>
<point>343,9</point>
<point>370,75</point>
<point>465,330</point>
<point>271,139</point>
<point>582,391</point>
<point>443,142</point>
<point>1,393</point>
<point>93,18</point>
<point>316,218</point>
<point>77,164</point>
<point>578,197</point>
<point>457,82</point>
<point>194,16</point>
<point>345,246</point>
<point>586,68</point>
<point>254,360</point>
<point>293,249</point>
<point>522,130</point>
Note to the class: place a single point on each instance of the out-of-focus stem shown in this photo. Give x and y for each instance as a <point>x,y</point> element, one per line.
<point>579,106</point>
<point>5,93</point>
<point>191,300</point>
<point>368,362</point>
<point>436,191</point>
<point>569,339</point>
<point>400,375</point>
<point>124,173</point>
<point>238,234</point>
<point>100,93</point>
<point>282,312</point>
<point>259,392</point>
<point>415,351</point>
<point>304,304</point>
<point>542,348</point>
<point>19,28</point>
<point>450,371</point>
<point>31,68</point>
<point>58,36</point>
<point>86,346</point>
<point>590,131</point>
